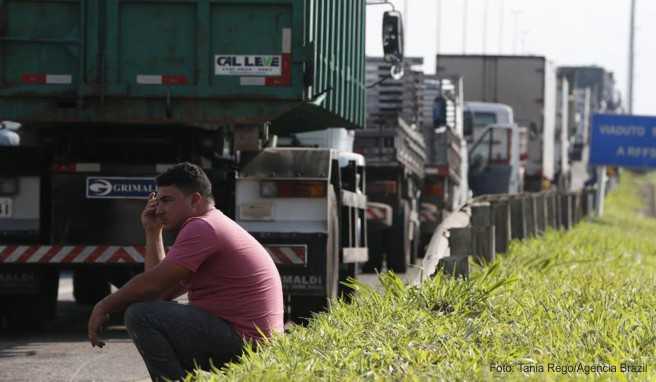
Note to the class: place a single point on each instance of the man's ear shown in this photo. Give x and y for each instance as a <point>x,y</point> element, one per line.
<point>196,198</point>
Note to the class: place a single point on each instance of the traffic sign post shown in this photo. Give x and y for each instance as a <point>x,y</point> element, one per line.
<point>623,141</point>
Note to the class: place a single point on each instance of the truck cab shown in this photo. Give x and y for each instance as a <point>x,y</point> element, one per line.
<point>307,205</point>
<point>494,141</point>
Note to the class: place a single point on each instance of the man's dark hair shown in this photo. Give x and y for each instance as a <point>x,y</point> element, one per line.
<point>188,177</point>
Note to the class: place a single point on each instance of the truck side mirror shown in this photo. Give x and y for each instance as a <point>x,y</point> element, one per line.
<point>393,37</point>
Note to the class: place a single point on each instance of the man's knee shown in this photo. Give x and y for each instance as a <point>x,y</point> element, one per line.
<point>136,314</point>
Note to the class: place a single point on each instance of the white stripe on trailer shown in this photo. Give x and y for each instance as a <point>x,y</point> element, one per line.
<point>59,79</point>
<point>87,167</point>
<point>375,213</point>
<point>38,254</point>
<point>252,81</point>
<point>136,255</point>
<point>107,254</point>
<point>286,40</point>
<point>16,254</point>
<point>291,255</point>
<point>149,79</point>
<point>61,254</point>
<point>86,252</point>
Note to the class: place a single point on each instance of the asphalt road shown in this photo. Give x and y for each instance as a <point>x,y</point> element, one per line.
<point>61,351</point>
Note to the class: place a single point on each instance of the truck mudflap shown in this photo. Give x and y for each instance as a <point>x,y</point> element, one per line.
<point>429,214</point>
<point>80,254</point>
<point>301,261</point>
<point>379,215</point>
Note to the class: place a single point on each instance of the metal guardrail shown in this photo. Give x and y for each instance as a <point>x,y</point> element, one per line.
<point>484,227</point>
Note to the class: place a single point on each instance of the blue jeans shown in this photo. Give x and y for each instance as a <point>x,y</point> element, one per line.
<point>176,338</point>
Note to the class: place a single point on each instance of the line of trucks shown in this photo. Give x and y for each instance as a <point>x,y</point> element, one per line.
<point>336,162</point>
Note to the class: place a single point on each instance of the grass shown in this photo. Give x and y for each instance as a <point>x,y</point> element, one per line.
<point>583,299</point>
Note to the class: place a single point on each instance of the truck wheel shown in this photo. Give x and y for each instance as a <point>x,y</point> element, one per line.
<point>302,308</point>
<point>30,312</point>
<point>376,252</point>
<point>424,241</point>
<point>89,286</point>
<point>398,242</point>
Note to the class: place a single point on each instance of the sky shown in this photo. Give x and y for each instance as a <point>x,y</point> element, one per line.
<point>568,32</point>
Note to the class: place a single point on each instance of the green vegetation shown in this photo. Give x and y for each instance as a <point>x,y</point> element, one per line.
<point>583,299</point>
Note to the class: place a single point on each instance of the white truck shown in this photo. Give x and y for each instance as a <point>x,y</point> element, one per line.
<point>497,155</point>
<point>305,202</point>
<point>525,83</point>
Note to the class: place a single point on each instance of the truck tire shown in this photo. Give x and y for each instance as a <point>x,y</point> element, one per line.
<point>398,244</point>
<point>30,312</point>
<point>376,252</point>
<point>303,307</point>
<point>90,286</point>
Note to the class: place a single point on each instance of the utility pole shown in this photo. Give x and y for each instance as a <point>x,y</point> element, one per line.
<point>501,14</point>
<point>631,55</point>
<point>406,23</point>
<point>485,11</point>
<point>464,27</point>
<point>439,27</point>
<point>516,13</point>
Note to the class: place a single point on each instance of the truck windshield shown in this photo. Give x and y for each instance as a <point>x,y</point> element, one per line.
<point>289,163</point>
<point>484,119</point>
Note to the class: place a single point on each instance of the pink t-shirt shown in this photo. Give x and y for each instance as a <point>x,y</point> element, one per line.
<point>234,277</point>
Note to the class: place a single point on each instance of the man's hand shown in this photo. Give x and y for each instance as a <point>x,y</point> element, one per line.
<point>96,321</point>
<point>149,219</point>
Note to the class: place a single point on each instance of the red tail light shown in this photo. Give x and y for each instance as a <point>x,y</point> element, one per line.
<point>434,189</point>
<point>63,167</point>
<point>293,189</point>
<point>389,187</point>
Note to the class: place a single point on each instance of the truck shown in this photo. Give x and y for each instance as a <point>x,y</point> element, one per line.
<point>497,155</point>
<point>446,186</point>
<point>591,90</point>
<point>109,94</point>
<point>394,149</point>
<point>525,83</point>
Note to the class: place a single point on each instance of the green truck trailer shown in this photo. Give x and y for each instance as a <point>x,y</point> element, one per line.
<point>111,93</point>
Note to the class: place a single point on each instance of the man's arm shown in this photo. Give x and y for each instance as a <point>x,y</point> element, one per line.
<point>154,249</point>
<point>149,285</point>
<point>155,244</point>
<point>154,256</point>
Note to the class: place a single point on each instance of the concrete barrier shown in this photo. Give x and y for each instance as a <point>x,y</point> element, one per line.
<point>566,211</point>
<point>460,248</point>
<point>483,233</point>
<point>531,221</point>
<point>518,219</point>
<point>540,213</point>
<point>502,224</point>
<point>494,220</point>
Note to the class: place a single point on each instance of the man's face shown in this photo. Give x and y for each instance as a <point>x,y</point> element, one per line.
<point>174,207</point>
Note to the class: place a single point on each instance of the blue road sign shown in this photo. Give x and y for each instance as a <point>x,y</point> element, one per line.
<point>623,140</point>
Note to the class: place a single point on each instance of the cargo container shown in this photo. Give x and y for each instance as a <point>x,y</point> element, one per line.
<point>525,83</point>
<point>191,62</point>
<point>112,93</point>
